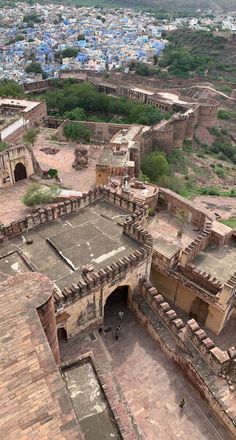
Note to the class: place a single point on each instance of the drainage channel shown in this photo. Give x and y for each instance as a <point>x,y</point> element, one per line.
<point>90,404</point>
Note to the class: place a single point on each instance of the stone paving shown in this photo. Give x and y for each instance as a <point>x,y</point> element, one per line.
<point>11,206</point>
<point>151,384</point>
<point>83,180</point>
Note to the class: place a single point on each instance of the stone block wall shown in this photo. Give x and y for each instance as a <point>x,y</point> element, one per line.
<point>204,279</point>
<point>46,314</point>
<point>173,201</point>
<point>206,366</point>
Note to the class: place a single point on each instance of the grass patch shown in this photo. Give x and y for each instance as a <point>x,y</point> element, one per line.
<point>231,222</point>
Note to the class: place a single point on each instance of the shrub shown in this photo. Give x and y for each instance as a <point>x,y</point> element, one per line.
<point>37,195</point>
<point>219,171</point>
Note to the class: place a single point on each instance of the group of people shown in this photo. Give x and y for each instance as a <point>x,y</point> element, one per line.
<point>118,329</point>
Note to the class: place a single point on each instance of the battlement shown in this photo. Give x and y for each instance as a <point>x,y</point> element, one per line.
<point>198,244</point>
<point>44,215</point>
<point>219,359</point>
<point>204,279</point>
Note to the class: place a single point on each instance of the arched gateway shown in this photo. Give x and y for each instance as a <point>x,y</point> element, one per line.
<point>20,172</point>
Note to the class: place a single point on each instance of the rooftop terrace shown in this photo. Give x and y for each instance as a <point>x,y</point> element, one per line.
<point>220,262</point>
<point>60,248</point>
<point>164,228</point>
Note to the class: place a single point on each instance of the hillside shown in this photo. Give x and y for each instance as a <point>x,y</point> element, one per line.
<point>175,6</point>
<point>222,52</point>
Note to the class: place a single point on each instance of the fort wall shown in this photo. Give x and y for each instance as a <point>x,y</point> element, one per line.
<point>190,348</point>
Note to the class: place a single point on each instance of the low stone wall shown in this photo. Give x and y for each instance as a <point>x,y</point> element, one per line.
<point>200,366</point>
<point>197,217</point>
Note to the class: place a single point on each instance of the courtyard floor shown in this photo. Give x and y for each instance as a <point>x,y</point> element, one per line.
<point>151,385</point>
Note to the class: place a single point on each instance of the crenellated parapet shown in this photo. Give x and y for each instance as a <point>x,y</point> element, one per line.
<point>39,216</point>
<point>220,360</point>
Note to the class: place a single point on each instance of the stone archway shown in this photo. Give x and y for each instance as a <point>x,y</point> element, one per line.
<point>20,172</point>
<point>116,301</point>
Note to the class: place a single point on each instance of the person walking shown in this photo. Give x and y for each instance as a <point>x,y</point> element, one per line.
<point>117,334</point>
<point>182,403</point>
<point>121,314</point>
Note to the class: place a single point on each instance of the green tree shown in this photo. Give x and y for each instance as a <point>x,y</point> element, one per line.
<point>182,219</point>
<point>34,68</point>
<point>10,88</point>
<point>37,194</point>
<point>70,52</point>
<point>77,132</point>
<point>155,165</point>
<point>80,37</point>
<point>30,137</point>
<point>155,59</point>
<point>78,114</point>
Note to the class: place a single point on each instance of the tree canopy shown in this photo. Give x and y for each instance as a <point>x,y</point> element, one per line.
<point>10,88</point>
<point>34,68</point>
<point>84,96</point>
<point>155,166</point>
<point>76,132</point>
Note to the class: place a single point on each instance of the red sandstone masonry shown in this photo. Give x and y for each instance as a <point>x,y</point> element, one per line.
<point>220,360</point>
<point>44,215</point>
<point>110,273</point>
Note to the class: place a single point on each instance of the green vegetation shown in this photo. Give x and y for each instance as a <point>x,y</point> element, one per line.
<point>30,137</point>
<point>231,222</point>
<point>181,62</point>
<point>78,114</point>
<point>155,166</point>
<point>53,173</point>
<point>32,18</point>
<point>37,194</point>
<point>18,37</point>
<point>70,52</point>
<point>226,114</point>
<point>201,53</point>
<point>77,132</point>
<point>3,146</point>
<point>34,68</point>
<point>76,97</point>
<point>10,88</point>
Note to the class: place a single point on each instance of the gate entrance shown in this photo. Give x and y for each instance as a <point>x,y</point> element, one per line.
<point>20,172</point>
<point>115,302</point>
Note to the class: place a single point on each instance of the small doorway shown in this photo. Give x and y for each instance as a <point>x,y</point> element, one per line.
<point>61,335</point>
<point>20,172</point>
<point>199,310</point>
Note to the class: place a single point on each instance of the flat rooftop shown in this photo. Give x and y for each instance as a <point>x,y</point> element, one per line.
<point>108,158</point>
<point>164,228</point>
<point>220,262</point>
<point>93,236</point>
<point>172,97</point>
<point>24,103</point>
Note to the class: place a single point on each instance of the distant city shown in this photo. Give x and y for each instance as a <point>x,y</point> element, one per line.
<point>40,41</point>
